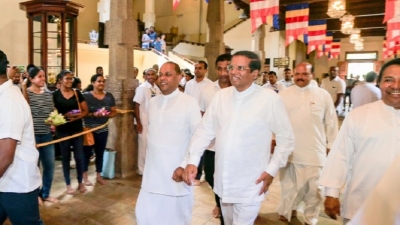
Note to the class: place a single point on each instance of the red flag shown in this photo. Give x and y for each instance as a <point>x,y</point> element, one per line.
<point>392,9</point>
<point>260,10</point>
<point>175,4</point>
<point>296,21</point>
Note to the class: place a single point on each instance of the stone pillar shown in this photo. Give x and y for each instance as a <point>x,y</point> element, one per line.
<point>149,17</point>
<point>103,8</point>
<point>215,45</point>
<point>258,38</point>
<point>121,32</point>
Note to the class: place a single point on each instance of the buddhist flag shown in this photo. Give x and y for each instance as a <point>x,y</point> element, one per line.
<point>393,29</point>
<point>335,51</point>
<point>387,51</point>
<point>175,4</point>
<point>273,20</point>
<point>316,34</point>
<point>328,43</point>
<point>296,21</point>
<point>260,10</point>
<point>392,9</point>
<point>320,50</point>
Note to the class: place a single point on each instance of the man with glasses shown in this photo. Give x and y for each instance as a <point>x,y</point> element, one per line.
<point>242,119</point>
<point>335,86</point>
<point>314,121</point>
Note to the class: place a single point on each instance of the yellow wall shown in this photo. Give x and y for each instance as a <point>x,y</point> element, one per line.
<point>88,19</point>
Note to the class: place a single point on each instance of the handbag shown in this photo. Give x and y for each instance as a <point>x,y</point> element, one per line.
<point>88,139</point>
<point>108,170</point>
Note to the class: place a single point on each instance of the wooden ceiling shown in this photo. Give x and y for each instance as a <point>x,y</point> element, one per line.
<point>368,15</point>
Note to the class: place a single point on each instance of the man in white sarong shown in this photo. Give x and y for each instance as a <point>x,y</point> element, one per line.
<point>367,143</point>
<point>143,94</point>
<point>242,119</point>
<point>314,122</point>
<point>221,65</point>
<point>173,117</point>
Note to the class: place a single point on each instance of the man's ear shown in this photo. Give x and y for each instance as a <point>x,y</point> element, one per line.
<point>255,74</point>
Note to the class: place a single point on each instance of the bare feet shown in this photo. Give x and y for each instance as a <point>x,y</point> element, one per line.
<point>40,201</point>
<point>101,181</point>
<point>82,188</point>
<point>52,200</point>
<point>216,212</point>
<point>196,183</point>
<point>70,190</point>
<point>87,182</point>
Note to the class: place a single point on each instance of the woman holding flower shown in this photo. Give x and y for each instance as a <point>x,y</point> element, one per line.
<point>72,105</point>
<point>101,106</point>
<point>41,103</point>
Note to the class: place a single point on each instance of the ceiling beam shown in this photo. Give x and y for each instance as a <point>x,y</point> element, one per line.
<point>359,22</point>
<point>373,32</point>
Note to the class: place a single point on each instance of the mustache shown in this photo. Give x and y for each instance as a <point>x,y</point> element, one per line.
<point>300,80</point>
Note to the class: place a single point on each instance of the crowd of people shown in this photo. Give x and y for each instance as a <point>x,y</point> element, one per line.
<point>151,40</point>
<point>241,134</point>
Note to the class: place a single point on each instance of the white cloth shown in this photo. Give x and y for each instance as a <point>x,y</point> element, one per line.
<point>314,122</point>
<point>383,204</point>
<point>365,93</point>
<point>194,88</point>
<point>172,121</point>
<point>142,146</point>
<point>240,214</point>
<point>143,94</point>
<point>205,100</point>
<point>366,144</point>
<point>23,175</point>
<point>286,83</point>
<point>242,124</point>
<point>277,87</point>
<point>300,183</point>
<point>169,210</point>
<point>334,87</point>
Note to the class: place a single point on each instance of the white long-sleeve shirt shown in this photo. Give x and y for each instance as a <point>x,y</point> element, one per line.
<point>242,124</point>
<point>314,122</point>
<point>367,142</point>
<point>194,88</point>
<point>172,121</point>
<point>277,87</point>
<point>365,93</point>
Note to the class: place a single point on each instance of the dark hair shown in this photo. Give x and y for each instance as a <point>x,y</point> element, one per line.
<point>188,73</point>
<point>371,76</point>
<point>176,66</point>
<point>255,63</point>
<point>3,63</point>
<point>88,88</point>
<point>32,72</point>
<point>287,69</point>
<point>75,82</point>
<point>62,74</point>
<point>99,67</point>
<point>29,66</point>
<point>204,63</point>
<point>272,73</point>
<point>223,57</point>
<point>265,72</point>
<point>94,77</point>
<point>386,65</point>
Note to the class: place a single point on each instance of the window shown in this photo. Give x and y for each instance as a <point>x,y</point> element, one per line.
<point>361,55</point>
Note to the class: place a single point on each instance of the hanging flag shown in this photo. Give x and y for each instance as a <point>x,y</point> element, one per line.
<point>387,51</point>
<point>316,34</point>
<point>392,9</point>
<point>393,29</point>
<point>320,51</point>
<point>260,10</point>
<point>328,43</point>
<point>175,4</point>
<point>335,51</point>
<point>296,21</point>
<point>273,20</point>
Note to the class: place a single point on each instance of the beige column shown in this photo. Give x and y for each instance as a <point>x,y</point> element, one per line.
<point>215,45</point>
<point>258,40</point>
<point>121,31</point>
<point>149,17</point>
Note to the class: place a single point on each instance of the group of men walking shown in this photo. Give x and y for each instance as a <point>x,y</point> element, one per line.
<point>230,125</point>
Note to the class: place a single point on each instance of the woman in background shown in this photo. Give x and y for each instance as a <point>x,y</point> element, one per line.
<point>97,99</point>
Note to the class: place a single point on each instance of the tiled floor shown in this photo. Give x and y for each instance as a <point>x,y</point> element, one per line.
<point>114,204</point>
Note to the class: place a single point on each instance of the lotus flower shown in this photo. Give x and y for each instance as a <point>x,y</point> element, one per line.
<point>102,112</point>
<point>55,119</point>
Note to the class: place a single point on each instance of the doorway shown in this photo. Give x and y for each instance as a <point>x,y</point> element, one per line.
<point>359,69</point>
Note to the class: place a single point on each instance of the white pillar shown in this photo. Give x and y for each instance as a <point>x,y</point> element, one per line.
<point>149,17</point>
<point>103,8</point>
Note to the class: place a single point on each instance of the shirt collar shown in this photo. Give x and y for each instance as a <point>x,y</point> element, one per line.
<point>390,108</point>
<point>246,92</point>
<point>308,87</point>
<point>173,94</point>
<point>216,84</point>
<point>5,85</point>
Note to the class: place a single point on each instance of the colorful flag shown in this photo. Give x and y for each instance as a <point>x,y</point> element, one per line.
<point>320,50</point>
<point>392,9</point>
<point>296,21</point>
<point>260,10</point>
<point>175,4</point>
<point>328,43</point>
<point>393,29</point>
<point>316,34</point>
<point>387,51</point>
<point>273,20</point>
<point>335,51</point>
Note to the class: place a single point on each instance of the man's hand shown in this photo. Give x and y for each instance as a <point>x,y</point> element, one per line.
<point>327,151</point>
<point>139,127</point>
<point>178,173</point>
<point>273,144</point>
<point>12,72</point>
<point>189,174</point>
<point>267,179</point>
<point>332,207</point>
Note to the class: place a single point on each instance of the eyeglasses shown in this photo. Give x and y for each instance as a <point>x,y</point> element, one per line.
<point>238,68</point>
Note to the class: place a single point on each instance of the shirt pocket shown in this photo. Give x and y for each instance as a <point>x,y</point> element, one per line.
<point>317,110</point>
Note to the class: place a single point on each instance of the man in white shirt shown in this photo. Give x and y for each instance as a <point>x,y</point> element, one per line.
<point>143,94</point>
<point>242,119</point>
<point>314,122</point>
<point>273,84</point>
<point>264,77</point>
<point>221,65</point>
<point>173,117</point>
<point>368,141</point>
<point>19,174</point>
<point>335,86</point>
<point>366,92</point>
<point>194,88</point>
<point>287,78</point>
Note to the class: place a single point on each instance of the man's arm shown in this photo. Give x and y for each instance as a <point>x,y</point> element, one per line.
<point>7,152</point>
<point>330,121</point>
<point>139,127</point>
<point>339,99</point>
